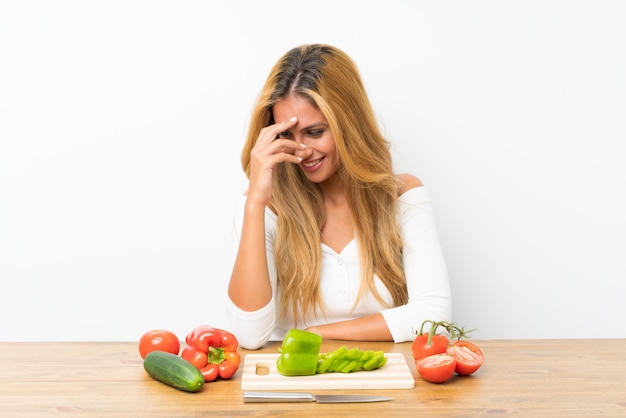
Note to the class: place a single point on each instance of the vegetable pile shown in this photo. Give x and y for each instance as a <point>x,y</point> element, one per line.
<point>438,358</point>
<point>210,353</point>
<point>300,356</point>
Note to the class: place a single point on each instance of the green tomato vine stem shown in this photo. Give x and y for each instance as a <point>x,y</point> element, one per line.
<point>456,333</point>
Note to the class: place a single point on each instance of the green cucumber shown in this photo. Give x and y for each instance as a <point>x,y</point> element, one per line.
<point>174,371</point>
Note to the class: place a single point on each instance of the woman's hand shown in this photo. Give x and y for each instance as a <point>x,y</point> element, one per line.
<point>270,149</point>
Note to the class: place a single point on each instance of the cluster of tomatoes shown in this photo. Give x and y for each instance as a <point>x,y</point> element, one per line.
<point>211,350</point>
<point>438,358</point>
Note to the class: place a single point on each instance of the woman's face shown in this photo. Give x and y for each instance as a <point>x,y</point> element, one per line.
<point>320,160</point>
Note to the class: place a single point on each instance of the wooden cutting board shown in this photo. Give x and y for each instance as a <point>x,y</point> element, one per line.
<point>395,374</point>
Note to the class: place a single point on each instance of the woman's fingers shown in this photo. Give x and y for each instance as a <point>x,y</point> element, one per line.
<point>271,148</point>
<point>286,146</point>
<point>270,133</point>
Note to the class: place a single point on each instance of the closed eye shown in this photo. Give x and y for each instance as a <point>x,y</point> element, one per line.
<point>315,133</point>
<point>285,135</point>
<point>315,130</point>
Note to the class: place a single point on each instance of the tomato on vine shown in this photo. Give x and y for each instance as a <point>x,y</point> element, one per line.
<point>468,357</point>
<point>425,345</point>
<point>437,368</point>
<point>439,355</point>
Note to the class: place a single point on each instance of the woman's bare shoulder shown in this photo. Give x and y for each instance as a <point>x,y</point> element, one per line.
<point>407,182</point>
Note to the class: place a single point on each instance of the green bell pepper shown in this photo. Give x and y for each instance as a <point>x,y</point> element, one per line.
<point>300,356</point>
<point>299,353</point>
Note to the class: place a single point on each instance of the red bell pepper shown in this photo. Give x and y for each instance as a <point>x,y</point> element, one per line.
<point>213,351</point>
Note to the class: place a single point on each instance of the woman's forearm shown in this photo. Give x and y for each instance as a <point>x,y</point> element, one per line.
<point>367,328</point>
<point>249,286</point>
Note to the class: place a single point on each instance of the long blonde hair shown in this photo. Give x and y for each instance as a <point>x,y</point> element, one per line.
<point>331,82</point>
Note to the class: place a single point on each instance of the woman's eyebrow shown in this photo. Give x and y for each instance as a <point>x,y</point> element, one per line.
<point>314,125</point>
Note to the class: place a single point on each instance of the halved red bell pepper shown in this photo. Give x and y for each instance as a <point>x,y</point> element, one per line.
<point>213,351</point>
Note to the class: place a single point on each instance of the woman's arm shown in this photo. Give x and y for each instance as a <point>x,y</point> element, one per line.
<point>367,328</point>
<point>249,287</point>
<point>427,281</point>
<point>252,327</point>
<point>426,274</point>
<point>425,269</point>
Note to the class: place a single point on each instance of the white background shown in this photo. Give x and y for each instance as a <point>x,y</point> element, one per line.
<point>121,124</point>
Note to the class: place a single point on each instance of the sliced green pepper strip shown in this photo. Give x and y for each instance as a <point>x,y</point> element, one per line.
<point>377,360</point>
<point>323,363</point>
<point>353,360</point>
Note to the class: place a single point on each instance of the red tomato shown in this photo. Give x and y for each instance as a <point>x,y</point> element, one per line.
<point>158,339</point>
<point>437,368</point>
<point>468,357</point>
<point>421,348</point>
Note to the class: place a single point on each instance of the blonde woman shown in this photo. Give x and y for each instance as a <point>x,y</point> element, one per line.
<point>330,239</point>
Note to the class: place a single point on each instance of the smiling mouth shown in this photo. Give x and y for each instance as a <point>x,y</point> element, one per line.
<point>312,163</point>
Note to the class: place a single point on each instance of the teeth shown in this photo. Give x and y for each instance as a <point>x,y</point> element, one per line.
<point>312,163</point>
